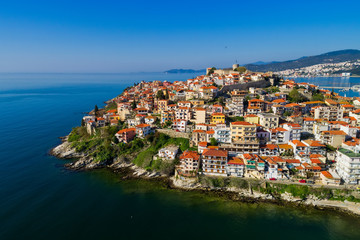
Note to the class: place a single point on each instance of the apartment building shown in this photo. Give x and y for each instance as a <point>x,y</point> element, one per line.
<point>214,162</point>
<point>330,113</point>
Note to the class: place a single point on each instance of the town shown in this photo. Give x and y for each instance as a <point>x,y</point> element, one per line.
<point>341,69</point>
<point>243,124</point>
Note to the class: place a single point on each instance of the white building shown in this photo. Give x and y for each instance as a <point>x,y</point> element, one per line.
<point>348,165</point>
<point>169,152</point>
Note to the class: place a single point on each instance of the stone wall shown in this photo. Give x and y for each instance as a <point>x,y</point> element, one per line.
<point>173,133</point>
<point>245,86</point>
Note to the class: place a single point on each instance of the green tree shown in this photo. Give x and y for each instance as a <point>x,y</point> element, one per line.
<point>133,105</point>
<point>96,110</point>
<point>167,94</point>
<point>318,97</point>
<point>295,96</point>
<point>287,113</point>
<point>160,95</point>
<point>241,69</point>
<point>213,142</point>
<point>211,71</point>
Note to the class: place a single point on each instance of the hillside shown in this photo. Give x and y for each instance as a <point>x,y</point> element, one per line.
<point>185,71</point>
<point>330,57</point>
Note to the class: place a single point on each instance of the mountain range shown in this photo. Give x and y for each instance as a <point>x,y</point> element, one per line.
<point>330,57</point>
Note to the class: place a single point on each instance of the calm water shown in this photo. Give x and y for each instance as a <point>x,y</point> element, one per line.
<point>42,200</point>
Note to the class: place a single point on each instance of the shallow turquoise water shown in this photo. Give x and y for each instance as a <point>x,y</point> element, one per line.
<point>39,199</point>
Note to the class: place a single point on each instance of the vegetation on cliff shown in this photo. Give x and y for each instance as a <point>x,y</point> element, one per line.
<point>276,189</point>
<point>104,147</point>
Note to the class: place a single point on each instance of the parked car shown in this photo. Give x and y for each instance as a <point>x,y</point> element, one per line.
<point>311,182</point>
<point>272,179</point>
<point>302,181</point>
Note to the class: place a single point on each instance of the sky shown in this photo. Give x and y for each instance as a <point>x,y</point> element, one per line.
<point>149,36</point>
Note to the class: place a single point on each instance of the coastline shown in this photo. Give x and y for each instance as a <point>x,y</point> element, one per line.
<point>84,162</point>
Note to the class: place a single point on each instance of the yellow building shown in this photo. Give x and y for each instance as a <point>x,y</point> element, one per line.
<point>252,118</point>
<point>217,118</point>
<point>243,132</point>
<point>162,106</point>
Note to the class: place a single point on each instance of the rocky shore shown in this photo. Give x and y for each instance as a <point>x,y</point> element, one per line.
<point>128,170</point>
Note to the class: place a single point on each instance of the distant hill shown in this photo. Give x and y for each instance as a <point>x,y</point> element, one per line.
<point>330,57</point>
<point>185,71</point>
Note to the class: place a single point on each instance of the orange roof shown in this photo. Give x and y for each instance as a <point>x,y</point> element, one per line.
<point>143,125</point>
<point>251,115</point>
<point>215,153</point>
<point>285,146</point>
<point>335,132</point>
<point>202,144</point>
<point>270,146</point>
<point>279,100</point>
<point>241,123</point>
<point>298,143</point>
<point>313,143</point>
<point>327,174</point>
<point>218,114</point>
<point>236,161</point>
<point>126,130</point>
<point>315,160</point>
<point>190,154</point>
<point>210,132</point>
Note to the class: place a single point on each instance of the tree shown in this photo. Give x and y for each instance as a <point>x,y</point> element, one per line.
<point>211,71</point>
<point>160,95</point>
<point>295,96</point>
<point>96,110</point>
<point>287,113</point>
<point>317,97</point>
<point>167,94</point>
<point>213,142</point>
<point>241,69</point>
<point>133,105</point>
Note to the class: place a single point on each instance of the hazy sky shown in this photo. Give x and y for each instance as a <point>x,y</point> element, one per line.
<point>127,36</point>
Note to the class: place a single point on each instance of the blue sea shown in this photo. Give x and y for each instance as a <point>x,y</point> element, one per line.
<point>40,199</point>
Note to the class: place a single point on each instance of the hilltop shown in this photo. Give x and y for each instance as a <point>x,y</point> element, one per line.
<point>330,57</point>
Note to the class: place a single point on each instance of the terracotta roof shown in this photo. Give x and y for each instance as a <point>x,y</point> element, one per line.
<point>335,132</point>
<point>298,143</point>
<point>215,153</point>
<point>126,130</point>
<point>327,174</point>
<point>241,123</point>
<point>190,154</point>
<point>143,125</point>
<point>236,161</point>
<point>313,143</point>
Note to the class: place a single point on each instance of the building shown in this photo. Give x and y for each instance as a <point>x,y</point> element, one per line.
<point>222,134</point>
<point>168,153</point>
<point>217,118</point>
<point>179,125</point>
<point>214,162</point>
<point>235,167</point>
<point>332,114</point>
<point>348,165</point>
<point>189,163</point>
<point>126,135</point>
<point>142,130</point>
<point>334,138</point>
<point>295,130</point>
<point>268,120</point>
<point>199,115</point>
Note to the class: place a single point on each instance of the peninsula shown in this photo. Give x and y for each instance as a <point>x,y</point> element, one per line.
<point>249,134</point>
